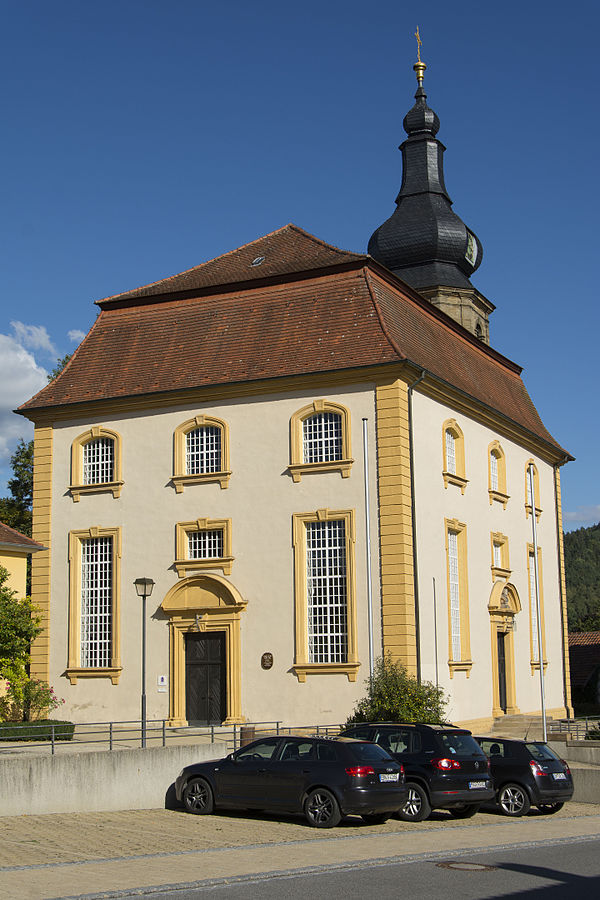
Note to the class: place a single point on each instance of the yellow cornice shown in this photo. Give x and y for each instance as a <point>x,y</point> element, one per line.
<point>432,386</point>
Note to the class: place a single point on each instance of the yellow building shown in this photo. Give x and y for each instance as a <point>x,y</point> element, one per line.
<point>317,457</point>
<point>15,550</point>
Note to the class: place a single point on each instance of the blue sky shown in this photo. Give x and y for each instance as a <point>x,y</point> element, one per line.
<point>142,138</point>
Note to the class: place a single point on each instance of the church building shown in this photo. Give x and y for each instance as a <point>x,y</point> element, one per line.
<point>318,458</point>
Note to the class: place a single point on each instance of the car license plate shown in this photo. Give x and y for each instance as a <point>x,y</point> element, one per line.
<point>559,776</point>
<point>477,784</point>
<point>393,776</point>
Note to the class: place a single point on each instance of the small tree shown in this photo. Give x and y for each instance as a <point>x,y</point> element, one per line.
<point>393,695</point>
<point>19,625</point>
<point>16,509</point>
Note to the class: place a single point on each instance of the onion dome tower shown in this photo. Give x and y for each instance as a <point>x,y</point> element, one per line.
<point>424,242</point>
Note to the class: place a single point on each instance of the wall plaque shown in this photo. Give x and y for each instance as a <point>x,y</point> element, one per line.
<point>266,660</point>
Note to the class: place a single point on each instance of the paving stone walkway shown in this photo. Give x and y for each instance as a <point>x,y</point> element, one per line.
<point>58,856</point>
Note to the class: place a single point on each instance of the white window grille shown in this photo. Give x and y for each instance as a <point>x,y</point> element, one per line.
<point>203,450</point>
<point>497,555</point>
<point>206,544</point>
<point>96,602</point>
<point>98,461</point>
<point>535,650</point>
<point>327,601</point>
<point>450,453</point>
<point>322,437</point>
<point>494,482</point>
<point>454,594</point>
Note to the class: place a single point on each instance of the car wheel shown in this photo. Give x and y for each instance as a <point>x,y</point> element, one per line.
<point>513,800</point>
<point>375,818</point>
<point>417,806</point>
<point>465,811</point>
<point>198,797</point>
<point>549,808</point>
<point>321,809</point>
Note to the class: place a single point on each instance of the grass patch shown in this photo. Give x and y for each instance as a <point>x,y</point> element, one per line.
<point>37,731</point>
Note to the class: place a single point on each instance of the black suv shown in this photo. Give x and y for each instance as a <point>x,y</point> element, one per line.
<point>324,779</point>
<point>527,773</point>
<point>445,767</point>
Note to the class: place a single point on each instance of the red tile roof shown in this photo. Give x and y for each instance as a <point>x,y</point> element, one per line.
<point>319,310</point>
<point>10,536</point>
<point>584,656</point>
<point>584,638</point>
<point>283,252</point>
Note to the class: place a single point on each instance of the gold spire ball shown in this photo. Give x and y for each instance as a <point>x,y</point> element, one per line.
<point>419,67</point>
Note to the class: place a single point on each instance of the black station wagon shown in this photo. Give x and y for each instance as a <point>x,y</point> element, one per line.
<point>323,779</point>
<point>526,774</point>
<point>445,767</point>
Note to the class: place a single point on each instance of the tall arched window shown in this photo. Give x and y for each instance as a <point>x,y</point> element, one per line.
<point>536,490</point>
<point>497,474</point>
<point>96,463</point>
<point>453,449</point>
<point>201,452</point>
<point>320,440</point>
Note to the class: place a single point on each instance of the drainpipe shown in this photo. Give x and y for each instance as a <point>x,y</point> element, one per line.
<point>538,611</point>
<point>413,511</point>
<point>561,575</point>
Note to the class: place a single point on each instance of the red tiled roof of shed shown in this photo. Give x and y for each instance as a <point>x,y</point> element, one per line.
<point>10,536</point>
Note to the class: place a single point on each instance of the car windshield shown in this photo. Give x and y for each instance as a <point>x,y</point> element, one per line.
<point>369,752</point>
<point>460,744</point>
<point>541,752</point>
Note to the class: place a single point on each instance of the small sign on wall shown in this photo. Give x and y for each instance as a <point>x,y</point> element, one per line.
<point>162,682</point>
<point>266,660</point>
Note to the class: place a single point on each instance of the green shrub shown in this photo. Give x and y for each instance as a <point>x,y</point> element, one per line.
<point>27,699</point>
<point>393,695</point>
<point>593,734</point>
<point>37,731</point>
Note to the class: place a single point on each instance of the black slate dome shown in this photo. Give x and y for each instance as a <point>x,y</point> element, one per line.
<point>424,242</point>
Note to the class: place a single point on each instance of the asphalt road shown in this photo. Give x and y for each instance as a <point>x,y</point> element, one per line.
<point>560,870</point>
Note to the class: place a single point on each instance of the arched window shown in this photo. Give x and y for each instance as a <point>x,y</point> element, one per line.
<point>536,490</point>
<point>453,448</point>
<point>320,440</point>
<point>201,452</point>
<point>497,474</point>
<point>96,463</point>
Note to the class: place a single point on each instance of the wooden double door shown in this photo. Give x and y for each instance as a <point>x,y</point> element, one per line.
<point>205,678</point>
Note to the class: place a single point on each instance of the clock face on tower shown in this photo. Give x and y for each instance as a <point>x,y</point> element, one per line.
<point>471,252</point>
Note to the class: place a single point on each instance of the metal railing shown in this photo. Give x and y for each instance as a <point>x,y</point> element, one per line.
<point>127,734</point>
<point>578,729</point>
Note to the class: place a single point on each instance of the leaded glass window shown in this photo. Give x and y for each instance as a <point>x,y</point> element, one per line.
<point>533,605</point>
<point>96,602</point>
<point>206,544</point>
<point>327,601</point>
<point>98,461</point>
<point>203,450</point>
<point>494,480</point>
<point>322,437</point>
<point>450,452</point>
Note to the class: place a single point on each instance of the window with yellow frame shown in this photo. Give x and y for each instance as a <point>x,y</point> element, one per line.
<point>94,604</point>
<point>536,621</point>
<point>96,463</point>
<point>325,594</point>
<point>497,474</point>
<point>500,558</point>
<point>459,642</point>
<point>320,440</point>
<point>201,452</point>
<point>536,490</point>
<point>203,544</point>
<point>453,453</point>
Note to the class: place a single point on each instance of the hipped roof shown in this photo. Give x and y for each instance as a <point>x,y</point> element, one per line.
<point>11,539</point>
<point>307,308</point>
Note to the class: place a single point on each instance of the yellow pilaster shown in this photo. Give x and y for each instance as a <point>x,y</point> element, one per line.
<point>395,527</point>
<point>563,592</point>
<point>40,563</point>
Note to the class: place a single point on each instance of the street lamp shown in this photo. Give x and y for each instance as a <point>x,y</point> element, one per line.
<point>143,587</point>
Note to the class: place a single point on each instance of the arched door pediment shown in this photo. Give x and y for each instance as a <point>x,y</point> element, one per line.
<point>504,599</point>
<point>202,592</point>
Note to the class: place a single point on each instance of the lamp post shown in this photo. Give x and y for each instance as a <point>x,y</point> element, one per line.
<point>143,587</point>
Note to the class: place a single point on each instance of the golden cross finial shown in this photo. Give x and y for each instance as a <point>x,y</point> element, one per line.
<point>419,43</point>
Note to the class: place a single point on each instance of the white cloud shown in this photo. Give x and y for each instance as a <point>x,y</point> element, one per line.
<point>76,335</point>
<point>20,378</point>
<point>583,515</point>
<point>34,337</point>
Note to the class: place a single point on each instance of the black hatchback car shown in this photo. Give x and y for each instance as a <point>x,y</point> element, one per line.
<point>445,767</point>
<point>324,779</point>
<point>526,774</point>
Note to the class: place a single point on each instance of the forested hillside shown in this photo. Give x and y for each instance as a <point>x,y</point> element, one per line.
<point>582,565</point>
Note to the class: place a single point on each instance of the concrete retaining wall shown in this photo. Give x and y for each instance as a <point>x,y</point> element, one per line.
<point>95,782</point>
<point>587,784</point>
<point>579,751</point>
